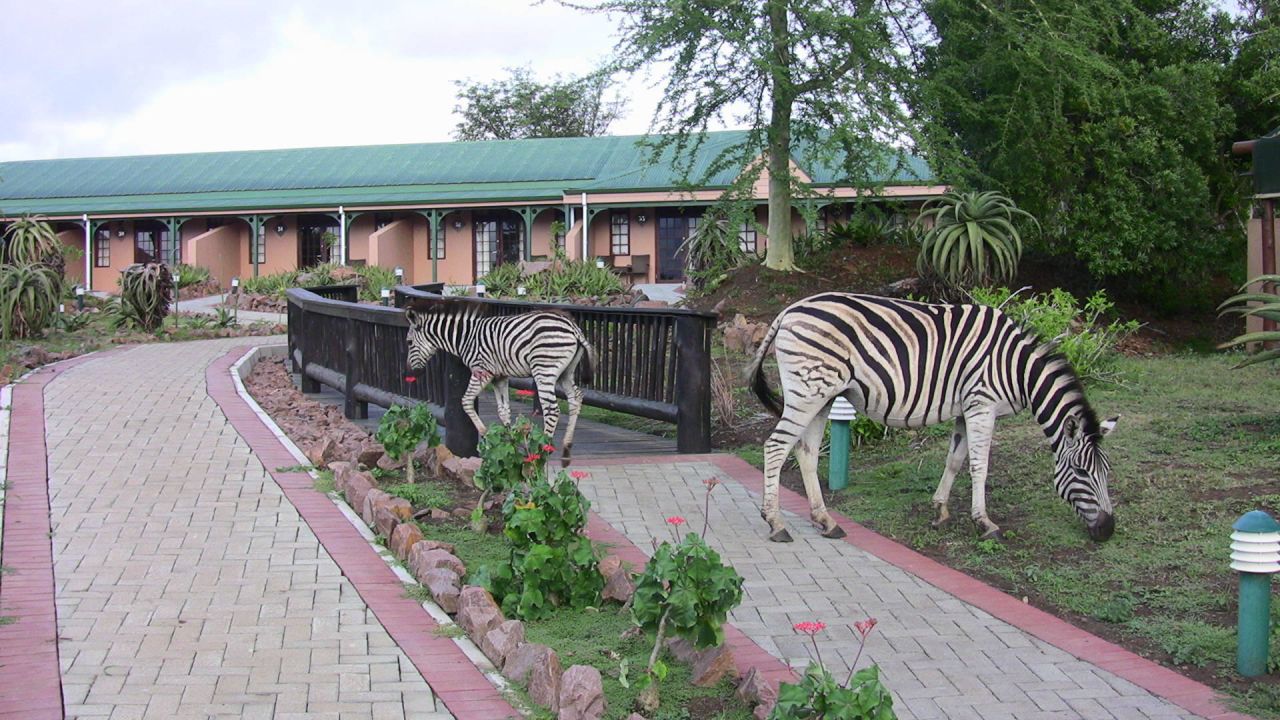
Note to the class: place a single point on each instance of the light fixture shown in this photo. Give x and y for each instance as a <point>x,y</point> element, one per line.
<point>280,228</point>
<point>120,233</point>
<point>399,275</point>
<point>480,291</point>
<point>386,296</point>
<point>235,284</point>
<point>600,263</point>
<point>457,223</point>
<point>522,290</point>
<point>642,218</point>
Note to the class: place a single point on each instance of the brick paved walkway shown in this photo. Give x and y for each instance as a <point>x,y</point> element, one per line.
<point>187,585</point>
<point>942,657</point>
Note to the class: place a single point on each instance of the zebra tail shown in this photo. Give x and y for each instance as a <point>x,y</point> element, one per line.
<point>586,366</point>
<point>755,372</point>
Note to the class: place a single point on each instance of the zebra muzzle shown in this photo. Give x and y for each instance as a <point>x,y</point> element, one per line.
<point>1102,527</point>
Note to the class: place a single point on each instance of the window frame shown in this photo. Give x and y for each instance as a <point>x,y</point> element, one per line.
<point>748,229</point>
<point>620,233</point>
<point>258,246</point>
<point>102,247</point>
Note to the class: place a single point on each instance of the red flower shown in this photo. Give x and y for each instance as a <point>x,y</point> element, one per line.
<point>410,379</point>
<point>525,393</point>
<point>549,448</point>
<point>711,482</point>
<point>864,627</point>
<point>532,457</point>
<point>810,628</point>
<point>675,520</point>
<point>579,474</point>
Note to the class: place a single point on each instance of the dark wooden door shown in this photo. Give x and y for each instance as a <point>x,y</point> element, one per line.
<point>316,235</point>
<point>674,227</point>
<point>150,241</point>
<point>499,240</point>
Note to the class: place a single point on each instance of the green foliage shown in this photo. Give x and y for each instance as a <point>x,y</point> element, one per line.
<point>1108,120</point>
<point>188,275</point>
<point>146,292</point>
<point>713,249</point>
<point>71,321</point>
<point>1263,303</point>
<point>818,695</point>
<point>421,495</point>
<point>509,455</point>
<point>224,317</point>
<point>374,279</point>
<point>688,590</point>
<point>277,283</point>
<point>1084,338</point>
<point>972,240</point>
<point>563,280</point>
<point>29,297</point>
<point>522,107</point>
<point>401,430</point>
<point>552,565</point>
<point>502,280</point>
<point>33,241</point>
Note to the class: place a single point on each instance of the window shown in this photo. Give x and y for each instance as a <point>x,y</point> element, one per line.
<point>560,229</point>
<point>486,235</point>
<point>147,238</point>
<point>170,249</point>
<point>102,247</point>
<point>620,233</point>
<point>258,248</point>
<point>439,249</point>
<point>747,237</point>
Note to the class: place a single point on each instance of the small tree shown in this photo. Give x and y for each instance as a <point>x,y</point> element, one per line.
<point>522,107</point>
<point>402,430</point>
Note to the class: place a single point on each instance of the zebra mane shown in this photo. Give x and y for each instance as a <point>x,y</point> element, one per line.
<point>1055,360</point>
<point>449,306</point>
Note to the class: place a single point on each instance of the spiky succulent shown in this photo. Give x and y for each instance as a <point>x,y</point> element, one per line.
<point>973,240</point>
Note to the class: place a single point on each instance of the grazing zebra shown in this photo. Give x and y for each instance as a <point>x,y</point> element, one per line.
<point>544,345</point>
<point>911,364</point>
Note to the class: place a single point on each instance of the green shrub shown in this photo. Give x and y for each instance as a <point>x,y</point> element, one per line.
<point>188,275</point>
<point>502,280</point>
<point>421,495</point>
<point>509,455</point>
<point>712,250</point>
<point>563,280</point>
<point>374,278</point>
<point>29,297</point>
<point>146,291</point>
<point>32,241</point>
<point>1263,303</point>
<point>973,239</point>
<point>552,564</point>
<point>1088,343</point>
<point>401,430</point>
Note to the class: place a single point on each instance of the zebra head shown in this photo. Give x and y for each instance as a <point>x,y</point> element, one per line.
<point>1082,471</point>
<point>421,347</point>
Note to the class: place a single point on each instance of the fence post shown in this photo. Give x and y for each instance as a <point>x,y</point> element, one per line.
<point>304,331</point>
<point>693,384</point>
<point>352,408</point>
<point>460,434</point>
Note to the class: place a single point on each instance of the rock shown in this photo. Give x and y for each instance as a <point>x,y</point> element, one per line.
<point>406,535</point>
<point>342,474</point>
<point>682,650</point>
<point>619,586</point>
<point>386,463</point>
<point>372,500</point>
<point>401,508</point>
<point>438,545</point>
<point>652,304</point>
<point>432,459</point>
<point>718,309</point>
<point>477,612</point>
<point>461,470</point>
<point>444,585</point>
<point>753,689</point>
<point>423,558</point>
<point>385,521</point>
<point>519,663</point>
<point>433,514</point>
<point>742,335</point>
<point>370,454</point>
<point>323,452</point>
<point>358,488</point>
<point>581,694</point>
<point>712,665</point>
<point>544,680</point>
<point>462,513</point>
<point>501,641</point>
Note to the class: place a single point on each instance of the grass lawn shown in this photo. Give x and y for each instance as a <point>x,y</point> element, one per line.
<point>1198,445</point>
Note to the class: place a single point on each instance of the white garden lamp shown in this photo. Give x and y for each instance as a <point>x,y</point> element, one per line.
<point>480,291</point>
<point>842,413</point>
<point>399,275</point>
<point>1255,554</point>
<point>385,294</point>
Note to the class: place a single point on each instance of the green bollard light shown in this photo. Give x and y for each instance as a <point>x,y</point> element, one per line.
<point>842,413</point>
<point>1255,554</point>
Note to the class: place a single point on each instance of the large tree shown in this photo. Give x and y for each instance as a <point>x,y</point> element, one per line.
<point>519,106</point>
<point>1106,119</point>
<point>825,74</point>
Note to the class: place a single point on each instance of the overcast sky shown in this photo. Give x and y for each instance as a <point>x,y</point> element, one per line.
<point>121,77</point>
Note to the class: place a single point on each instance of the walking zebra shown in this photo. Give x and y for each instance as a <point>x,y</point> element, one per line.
<point>911,364</point>
<point>544,345</point>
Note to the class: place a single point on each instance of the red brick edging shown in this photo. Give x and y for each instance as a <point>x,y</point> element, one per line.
<point>30,674</point>
<point>1152,677</point>
<point>463,689</point>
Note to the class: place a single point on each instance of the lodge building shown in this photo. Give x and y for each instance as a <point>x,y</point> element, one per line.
<point>483,203</point>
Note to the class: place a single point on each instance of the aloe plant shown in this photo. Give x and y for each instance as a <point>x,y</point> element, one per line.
<point>32,241</point>
<point>29,297</point>
<point>973,241</point>
<point>1267,308</point>
<point>146,291</point>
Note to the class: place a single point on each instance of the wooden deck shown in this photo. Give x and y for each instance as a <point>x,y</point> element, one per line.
<point>593,439</point>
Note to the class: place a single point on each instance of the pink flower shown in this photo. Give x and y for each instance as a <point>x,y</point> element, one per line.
<point>549,448</point>
<point>410,379</point>
<point>675,520</point>
<point>711,482</point>
<point>810,628</point>
<point>864,627</point>
<point>579,474</point>
<point>532,457</point>
<point>525,393</point>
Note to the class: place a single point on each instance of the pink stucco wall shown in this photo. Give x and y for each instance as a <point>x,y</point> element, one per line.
<point>221,250</point>
<point>75,261</point>
<point>392,246</point>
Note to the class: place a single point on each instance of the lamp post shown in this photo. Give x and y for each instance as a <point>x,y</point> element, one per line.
<point>80,298</point>
<point>842,413</point>
<point>1255,554</point>
<point>399,275</point>
<point>521,290</point>
<point>235,292</point>
<point>386,296</point>
<point>480,291</point>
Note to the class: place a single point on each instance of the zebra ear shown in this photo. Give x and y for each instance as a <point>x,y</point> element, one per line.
<point>1071,428</point>
<point>410,315</point>
<point>1109,424</point>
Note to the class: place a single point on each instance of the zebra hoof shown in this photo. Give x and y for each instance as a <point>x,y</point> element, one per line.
<point>835,533</point>
<point>780,536</point>
<point>993,534</point>
<point>939,523</point>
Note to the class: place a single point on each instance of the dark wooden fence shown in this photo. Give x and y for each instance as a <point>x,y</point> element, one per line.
<point>654,363</point>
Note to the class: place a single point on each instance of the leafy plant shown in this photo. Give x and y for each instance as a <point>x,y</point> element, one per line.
<point>563,279</point>
<point>29,297</point>
<point>71,322</point>
<point>502,280</point>
<point>1263,303</point>
<point>973,239</point>
<point>224,317</point>
<point>712,249</point>
<point>509,455</point>
<point>187,275</point>
<point>552,564</point>
<point>33,241</point>
<point>147,291</point>
<point>401,430</point>
<point>818,695</point>
<point>374,279</point>
<point>1088,342</point>
<point>421,495</point>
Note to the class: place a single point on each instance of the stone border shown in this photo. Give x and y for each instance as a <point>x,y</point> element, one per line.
<point>465,691</point>
<point>30,670</point>
<point>1156,679</point>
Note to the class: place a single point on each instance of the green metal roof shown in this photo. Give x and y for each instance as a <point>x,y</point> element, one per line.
<point>532,170</point>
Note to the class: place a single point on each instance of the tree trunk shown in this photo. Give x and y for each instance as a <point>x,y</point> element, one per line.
<point>778,255</point>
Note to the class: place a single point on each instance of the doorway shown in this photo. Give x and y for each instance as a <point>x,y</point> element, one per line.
<point>499,240</point>
<point>674,227</point>
<point>317,235</point>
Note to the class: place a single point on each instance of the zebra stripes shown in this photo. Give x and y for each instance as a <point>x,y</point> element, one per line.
<point>911,364</point>
<point>544,345</point>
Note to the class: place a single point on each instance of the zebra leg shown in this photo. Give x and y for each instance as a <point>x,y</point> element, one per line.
<point>794,421</point>
<point>981,422</point>
<point>956,458</point>
<point>574,393</point>
<point>504,400</point>
<point>550,404</point>
<point>469,402</point>
<point>807,451</point>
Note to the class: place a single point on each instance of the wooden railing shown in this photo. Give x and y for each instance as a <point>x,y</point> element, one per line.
<point>654,363</point>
